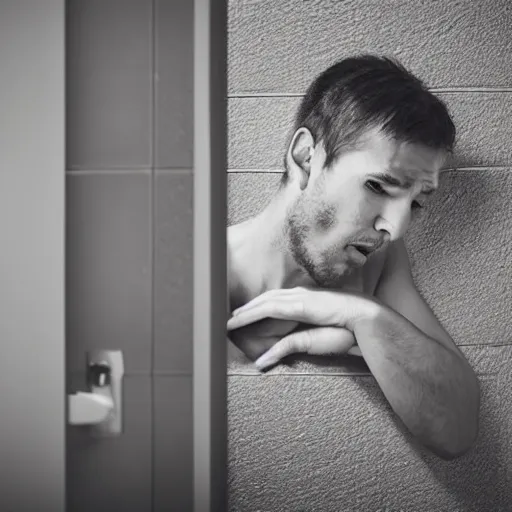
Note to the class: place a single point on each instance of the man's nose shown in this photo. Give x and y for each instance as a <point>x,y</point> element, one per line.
<point>394,219</point>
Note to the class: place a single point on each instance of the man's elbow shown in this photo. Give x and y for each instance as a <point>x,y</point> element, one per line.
<point>454,450</point>
<point>461,433</point>
<point>462,436</point>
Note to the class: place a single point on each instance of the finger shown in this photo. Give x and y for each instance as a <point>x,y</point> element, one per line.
<point>355,351</point>
<point>255,347</point>
<point>316,341</point>
<point>331,341</point>
<point>284,347</point>
<point>276,308</point>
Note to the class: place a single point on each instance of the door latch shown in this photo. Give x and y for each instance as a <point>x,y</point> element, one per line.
<point>101,407</point>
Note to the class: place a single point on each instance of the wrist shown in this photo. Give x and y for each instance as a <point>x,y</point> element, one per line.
<point>366,309</point>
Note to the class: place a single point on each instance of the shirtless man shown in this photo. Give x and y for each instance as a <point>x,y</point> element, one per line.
<point>323,268</point>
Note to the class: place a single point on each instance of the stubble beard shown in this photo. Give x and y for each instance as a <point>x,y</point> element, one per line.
<point>323,274</point>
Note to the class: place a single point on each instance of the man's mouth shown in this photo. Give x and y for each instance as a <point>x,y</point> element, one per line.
<point>363,249</point>
<point>360,251</point>
<point>357,254</point>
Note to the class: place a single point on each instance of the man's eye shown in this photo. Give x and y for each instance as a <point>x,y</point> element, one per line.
<point>375,187</point>
<point>416,205</point>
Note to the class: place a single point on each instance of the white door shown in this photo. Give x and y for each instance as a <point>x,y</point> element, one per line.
<point>32,405</point>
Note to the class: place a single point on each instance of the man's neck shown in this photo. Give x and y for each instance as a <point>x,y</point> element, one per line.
<point>259,255</point>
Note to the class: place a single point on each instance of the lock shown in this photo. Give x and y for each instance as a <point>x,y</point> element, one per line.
<point>101,408</point>
<point>99,374</point>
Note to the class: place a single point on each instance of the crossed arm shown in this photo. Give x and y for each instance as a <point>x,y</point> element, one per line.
<point>424,376</point>
<point>422,373</point>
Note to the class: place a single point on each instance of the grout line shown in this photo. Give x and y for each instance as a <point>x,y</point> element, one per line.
<point>252,170</point>
<point>169,170</point>
<point>265,95</point>
<point>235,373</point>
<point>446,169</point>
<point>152,130</point>
<point>482,167</point>
<point>450,90</point>
<point>260,171</point>
<point>173,373</point>
<point>142,170</point>
<point>314,374</point>
<point>142,374</point>
<point>435,90</point>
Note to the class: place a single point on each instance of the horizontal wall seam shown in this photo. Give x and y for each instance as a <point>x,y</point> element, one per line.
<point>299,374</point>
<point>448,169</point>
<point>174,170</point>
<point>130,171</point>
<point>435,90</point>
<point>141,374</point>
<point>254,170</point>
<point>172,373</point>
<point>106,170</point>
<point>321,374</point>
<point>497,90</point>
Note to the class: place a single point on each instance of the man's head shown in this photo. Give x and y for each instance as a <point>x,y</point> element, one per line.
<point>368,140</point>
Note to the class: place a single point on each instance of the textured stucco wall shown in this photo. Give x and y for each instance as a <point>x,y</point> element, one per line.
<point>317,434</point>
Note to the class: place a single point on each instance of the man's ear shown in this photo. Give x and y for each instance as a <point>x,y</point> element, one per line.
<point>298,157</point>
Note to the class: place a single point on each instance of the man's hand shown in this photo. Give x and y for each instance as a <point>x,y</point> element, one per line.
<point>313,341</point>
<point>316,306</point>
<point>332,313</point>
<point>256,338</point>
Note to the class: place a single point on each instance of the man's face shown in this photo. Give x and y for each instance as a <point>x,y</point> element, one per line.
<point>365,200</point>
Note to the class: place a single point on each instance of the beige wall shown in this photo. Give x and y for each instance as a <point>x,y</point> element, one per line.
<point>307,436</point>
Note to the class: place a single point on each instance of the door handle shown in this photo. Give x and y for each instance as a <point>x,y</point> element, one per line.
<point>101,407</point>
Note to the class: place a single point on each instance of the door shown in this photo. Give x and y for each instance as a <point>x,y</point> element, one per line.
<point>97,198</point>
<point>32,405</point>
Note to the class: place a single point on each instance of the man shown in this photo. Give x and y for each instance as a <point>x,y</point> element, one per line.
<point>323,268</point>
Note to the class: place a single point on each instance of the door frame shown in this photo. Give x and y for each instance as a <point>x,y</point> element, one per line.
<point>32,258</point>
<point>210,275</point>
<point>33,396</point>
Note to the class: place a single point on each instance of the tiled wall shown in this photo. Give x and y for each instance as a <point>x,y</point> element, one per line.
<point>129,244</point>
<point>309,435</point>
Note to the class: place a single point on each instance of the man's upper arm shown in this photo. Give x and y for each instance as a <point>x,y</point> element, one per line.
<point>396,289</point>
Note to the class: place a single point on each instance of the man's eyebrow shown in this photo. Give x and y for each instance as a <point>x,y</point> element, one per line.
<point>390,180</point>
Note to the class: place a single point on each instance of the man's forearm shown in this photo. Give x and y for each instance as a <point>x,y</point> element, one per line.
<point>430,387</point>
